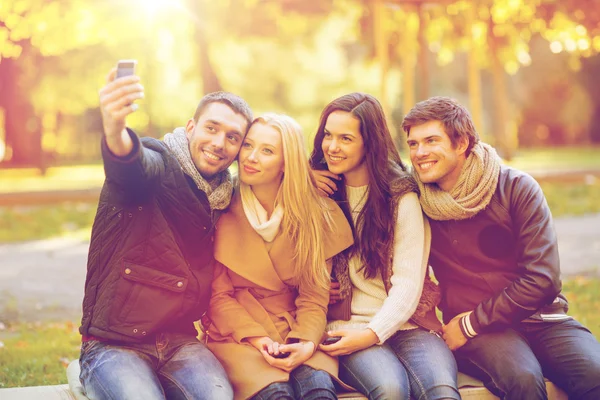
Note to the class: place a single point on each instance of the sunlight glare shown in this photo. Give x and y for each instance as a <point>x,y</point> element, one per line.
<point>153,7</point>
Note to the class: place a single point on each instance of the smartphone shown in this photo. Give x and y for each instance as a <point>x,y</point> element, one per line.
<point>331,340</point>
<point>125,68</point>
<point>281,355</point>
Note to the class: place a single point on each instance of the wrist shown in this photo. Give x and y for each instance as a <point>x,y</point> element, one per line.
<point>370,337</point>
<point>466,326</point>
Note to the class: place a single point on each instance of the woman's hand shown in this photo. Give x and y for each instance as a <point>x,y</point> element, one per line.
<point>326,182</point>
<point>299,353</point>
<point>351,341</point>
<point>265,345</point>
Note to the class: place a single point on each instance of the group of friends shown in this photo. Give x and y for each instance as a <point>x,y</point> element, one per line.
<point>310,275</point>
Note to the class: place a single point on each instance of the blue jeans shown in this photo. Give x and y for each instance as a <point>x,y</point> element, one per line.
<point>512,363</point>
<point>305,383</point>
<point>411,364</point>
<point>174,366</point>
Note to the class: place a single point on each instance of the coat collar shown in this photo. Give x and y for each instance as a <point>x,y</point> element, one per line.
<point>242,250</point>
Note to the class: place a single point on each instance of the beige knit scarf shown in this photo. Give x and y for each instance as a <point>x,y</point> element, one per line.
<point>218,190</point>
<point>473,190</point>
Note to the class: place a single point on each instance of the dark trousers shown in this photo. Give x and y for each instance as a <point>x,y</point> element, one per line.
<point>513,363</point>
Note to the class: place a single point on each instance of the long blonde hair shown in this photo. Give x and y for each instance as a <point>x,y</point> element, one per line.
<point>307,216</point>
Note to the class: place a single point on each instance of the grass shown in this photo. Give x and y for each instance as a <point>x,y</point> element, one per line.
<point>38,354</point>
<point>572,198</point>
<point>19,224</point>
<point>583,294</point>
<point>568,158</point>
<point>56,178</point>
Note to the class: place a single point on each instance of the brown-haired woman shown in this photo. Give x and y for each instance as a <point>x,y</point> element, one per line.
<point>389,347</point>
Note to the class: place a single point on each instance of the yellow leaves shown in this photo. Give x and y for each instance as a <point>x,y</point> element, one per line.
<point>596,43</point>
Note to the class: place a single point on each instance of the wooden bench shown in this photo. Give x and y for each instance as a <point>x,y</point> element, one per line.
<point>470,389</point>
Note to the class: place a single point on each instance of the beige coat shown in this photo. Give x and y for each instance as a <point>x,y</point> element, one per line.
<point>254,294</point>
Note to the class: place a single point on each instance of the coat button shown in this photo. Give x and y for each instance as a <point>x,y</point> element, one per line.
<point>114,208</point>
<point>179,284</point>
<point>135,331</point>
<point>144,333</point>
<point>140,208</point>
<point>119,215</point>
<point>130,215</point>
<point>127,271</point>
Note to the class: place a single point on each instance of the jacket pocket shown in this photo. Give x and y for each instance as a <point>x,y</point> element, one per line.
<point>151,298</point>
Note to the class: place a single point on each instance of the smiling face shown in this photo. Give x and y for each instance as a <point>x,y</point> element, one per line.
<point>261,156</point>
<point>433,155</point>
<point>215,138</point>
<point>344,148</point>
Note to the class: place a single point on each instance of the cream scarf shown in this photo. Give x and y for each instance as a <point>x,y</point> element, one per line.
<point>218,190</point>
<point>266,227</point>
<point>473,190</point>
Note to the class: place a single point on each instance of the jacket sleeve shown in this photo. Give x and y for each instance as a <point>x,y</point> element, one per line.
<point>228,316</point>
<point>134,173</point>
<point>311,313</point>
<point>537,257</point>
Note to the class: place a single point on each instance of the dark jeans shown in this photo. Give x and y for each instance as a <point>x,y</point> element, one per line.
<point>305,383</point>
<point>412,364</point>
<point>173,366</point>
<point>512,363</point>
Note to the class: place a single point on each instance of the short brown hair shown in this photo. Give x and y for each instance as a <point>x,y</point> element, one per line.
<point>236,103</point>
<point>454,117</point>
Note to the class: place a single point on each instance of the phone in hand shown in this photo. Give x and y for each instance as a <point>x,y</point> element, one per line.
<point>281,355</point>
<point>125,68</point>
<point>331,340</point>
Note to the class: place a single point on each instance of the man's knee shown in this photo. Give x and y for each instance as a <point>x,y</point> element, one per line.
<point>587,387</point>
<point>525,384</point>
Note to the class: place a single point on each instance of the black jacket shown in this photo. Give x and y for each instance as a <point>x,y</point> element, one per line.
<point>151,253</point>
<point>502,263</point>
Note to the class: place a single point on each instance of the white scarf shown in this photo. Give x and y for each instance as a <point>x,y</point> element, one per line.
<point>266,227</point>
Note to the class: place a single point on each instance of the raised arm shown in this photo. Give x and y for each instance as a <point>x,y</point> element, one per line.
<point>116,103</point>
<point>127,164</point>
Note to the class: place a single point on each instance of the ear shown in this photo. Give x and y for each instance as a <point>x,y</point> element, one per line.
<point>462,145</point>
<point>189,128</point>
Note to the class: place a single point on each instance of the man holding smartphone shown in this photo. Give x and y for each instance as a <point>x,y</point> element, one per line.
<point>151,253</point>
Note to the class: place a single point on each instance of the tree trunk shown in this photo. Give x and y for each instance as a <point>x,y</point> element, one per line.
<point>500,114</point>
<point>22,127</point>
<point>210,80</point>
<point>423,66</point>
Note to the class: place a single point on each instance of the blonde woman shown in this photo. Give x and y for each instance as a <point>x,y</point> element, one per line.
<point>270,293</point>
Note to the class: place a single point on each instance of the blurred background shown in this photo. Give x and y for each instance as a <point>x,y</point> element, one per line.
<point>528,70</point>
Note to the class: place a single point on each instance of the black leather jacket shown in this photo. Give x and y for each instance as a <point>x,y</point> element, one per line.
<point>503,263</point>
<point>151,251</point>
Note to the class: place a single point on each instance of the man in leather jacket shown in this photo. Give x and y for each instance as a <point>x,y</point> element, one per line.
<point>151,252</point>
<point>495,254</point>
